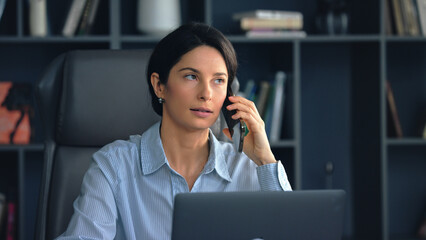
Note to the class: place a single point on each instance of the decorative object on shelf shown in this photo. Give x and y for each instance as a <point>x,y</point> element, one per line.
<point>158,17</point>
<point>333,17</point>
<point>38,18</point>
<point>15,113</point>
<point>271,23</point>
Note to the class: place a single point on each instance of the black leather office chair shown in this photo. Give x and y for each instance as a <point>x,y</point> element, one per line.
<point>88,99</point>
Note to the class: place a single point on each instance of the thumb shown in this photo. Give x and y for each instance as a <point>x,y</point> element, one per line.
<point>227,133</point>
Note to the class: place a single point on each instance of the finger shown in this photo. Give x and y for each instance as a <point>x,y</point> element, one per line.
<point>240,101</point>
<point>254,123</point>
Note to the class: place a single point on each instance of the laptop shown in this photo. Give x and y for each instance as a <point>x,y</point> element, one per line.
<point>304,214</point>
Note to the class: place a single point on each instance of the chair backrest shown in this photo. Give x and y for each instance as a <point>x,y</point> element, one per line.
<point>87,99</point>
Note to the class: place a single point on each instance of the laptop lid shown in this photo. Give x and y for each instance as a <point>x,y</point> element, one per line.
<point>307,214</point>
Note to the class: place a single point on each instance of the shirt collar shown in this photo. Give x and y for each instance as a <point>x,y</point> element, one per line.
<point>153,156</point>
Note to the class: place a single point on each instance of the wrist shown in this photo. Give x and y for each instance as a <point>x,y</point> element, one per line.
<point>270,158</point>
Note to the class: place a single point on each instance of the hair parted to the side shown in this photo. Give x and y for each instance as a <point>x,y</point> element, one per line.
<point>172,47</point>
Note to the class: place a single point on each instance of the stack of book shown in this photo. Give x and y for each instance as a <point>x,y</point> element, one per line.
<point>406,17</point>
<point>271,23</point>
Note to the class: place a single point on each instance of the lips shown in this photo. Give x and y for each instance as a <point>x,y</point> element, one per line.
<point>201,112</point>
<point>206,110</point>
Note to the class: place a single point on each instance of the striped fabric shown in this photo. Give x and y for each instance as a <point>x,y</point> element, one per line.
<point>128,191</point>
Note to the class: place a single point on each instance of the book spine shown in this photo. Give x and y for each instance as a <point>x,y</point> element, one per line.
<point>421,6</point>
<point>393,111</point>
<point>92,15</point>
<point>2,7</point>
<point>73,18</point>
<point>267,14</point>
<point>84,18</point>
<point>11,221</point>
<point>263,96</point>
<point>2,209</point>
<point>398,17</point>
<point>278,108</point>
<point>256,23</point>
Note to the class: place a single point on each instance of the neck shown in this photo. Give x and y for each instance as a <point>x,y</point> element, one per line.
<point>186,150</point>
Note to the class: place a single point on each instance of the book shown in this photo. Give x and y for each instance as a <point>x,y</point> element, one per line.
<point>261,33</point>
<point>388,21</point>
<point>278,106</point>
<point>73,18</point>
<point>88,17</point>
<point>409,18</point>
<point>421,7</point>
<point>2,7</point>
<point>3,206</point>
<point>397,12</point>
<point>38,18</point>
<point>267,14</point>
<point>11,221</point>
<point>248,89</point>
<point>394,126</point>
<point>282,23</point>
<point>263,97</point>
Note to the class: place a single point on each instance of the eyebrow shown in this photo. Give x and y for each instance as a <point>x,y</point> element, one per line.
<point>196,71</point>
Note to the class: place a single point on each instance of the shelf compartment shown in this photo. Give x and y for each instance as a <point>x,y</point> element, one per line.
<point>406,190</point>
<point>407,75</point>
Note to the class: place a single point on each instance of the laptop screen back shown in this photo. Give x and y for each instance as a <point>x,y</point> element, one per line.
<point>313,214</point>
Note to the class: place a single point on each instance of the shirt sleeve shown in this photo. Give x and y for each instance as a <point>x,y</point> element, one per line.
<point>95,211</point>
<point>272,177</point>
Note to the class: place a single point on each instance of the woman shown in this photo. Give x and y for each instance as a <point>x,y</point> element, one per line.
<point>128,191</point>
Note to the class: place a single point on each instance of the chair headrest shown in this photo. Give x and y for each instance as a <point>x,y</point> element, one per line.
<point>104,97</point>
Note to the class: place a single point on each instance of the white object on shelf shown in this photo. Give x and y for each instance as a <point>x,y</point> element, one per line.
<point>158,17</point>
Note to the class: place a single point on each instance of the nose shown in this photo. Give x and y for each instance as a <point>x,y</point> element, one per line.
<point>205,92</point>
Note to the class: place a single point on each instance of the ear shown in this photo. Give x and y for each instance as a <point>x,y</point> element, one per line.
<point>157,85</point>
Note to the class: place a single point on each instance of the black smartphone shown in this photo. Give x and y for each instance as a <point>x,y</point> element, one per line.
<point>235,126</point>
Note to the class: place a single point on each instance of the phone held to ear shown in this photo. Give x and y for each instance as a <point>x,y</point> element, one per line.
<point>237,127</point>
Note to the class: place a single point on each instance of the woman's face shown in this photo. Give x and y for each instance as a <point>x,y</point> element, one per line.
<point>196,89</point>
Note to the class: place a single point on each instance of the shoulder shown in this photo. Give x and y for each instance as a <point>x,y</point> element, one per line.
<point>117,158</point>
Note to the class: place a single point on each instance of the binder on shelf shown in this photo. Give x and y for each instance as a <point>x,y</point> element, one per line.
<point>394,126</point>
<point>2,7</point>
<point>73,18</point>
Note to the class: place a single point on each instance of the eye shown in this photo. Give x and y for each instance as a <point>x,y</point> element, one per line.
<point>191,77</point>
<point>219,81</point>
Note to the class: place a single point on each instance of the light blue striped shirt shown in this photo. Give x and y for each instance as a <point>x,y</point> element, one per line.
<point>129,189</point>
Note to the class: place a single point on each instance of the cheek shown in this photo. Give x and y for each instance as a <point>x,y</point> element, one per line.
<point>220,97</point>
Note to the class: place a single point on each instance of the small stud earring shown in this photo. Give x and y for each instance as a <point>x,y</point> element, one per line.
<point>161,100</point>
